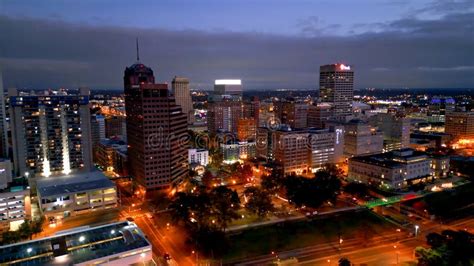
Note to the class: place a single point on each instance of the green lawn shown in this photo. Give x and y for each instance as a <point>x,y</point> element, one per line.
<point>294,235</point>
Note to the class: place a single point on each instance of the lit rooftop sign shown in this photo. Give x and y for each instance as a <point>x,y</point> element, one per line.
<point>344,67</point>
<point>228,82</point>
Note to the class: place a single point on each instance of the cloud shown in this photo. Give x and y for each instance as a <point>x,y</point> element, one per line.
<point>51,53</point>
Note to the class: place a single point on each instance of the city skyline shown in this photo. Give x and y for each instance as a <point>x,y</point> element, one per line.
<point>426,44</point>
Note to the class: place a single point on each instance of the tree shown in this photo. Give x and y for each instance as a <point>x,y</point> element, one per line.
<point>259,201</point>
<point>344,262</point>
<point>25,229</point>
<point>181,207</point>
<point>356,189</point>
<point>333,170</point>
<point>448,248</point>
<point>207,178</point>
<point>328,184</point>
<point>312,191</point>
<point>428,257</point>
<point>225,203</point>
<point>273,182</point>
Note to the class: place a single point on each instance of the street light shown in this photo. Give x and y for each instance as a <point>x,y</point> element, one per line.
<point>416,229</point>
<point>395,247</point>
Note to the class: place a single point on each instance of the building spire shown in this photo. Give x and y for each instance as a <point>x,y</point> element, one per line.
<point>138,52</point>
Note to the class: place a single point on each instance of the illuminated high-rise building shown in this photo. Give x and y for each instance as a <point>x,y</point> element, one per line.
<point>51,132</point>
<point>3,125</point>
<point>180,88</point>
<point>156,127</point>
<point>336,87</point>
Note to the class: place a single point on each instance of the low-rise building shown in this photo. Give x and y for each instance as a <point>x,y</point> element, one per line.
<point>121,243</point>
<point>75,194</point>
<point>396,169</point>
<point>15,207</point>
<point>198,156</point>
<point>111,155</point>
<point>234,151</point>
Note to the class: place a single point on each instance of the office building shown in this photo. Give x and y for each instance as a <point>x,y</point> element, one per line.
<point>336,87</point>
<point>460,125</point>
<point>121,243</point>
<point>51,132</point>
<point>327,147</point>
<point>116,127</point>
<point>75,194</point>
<point>360,138</point>
<point>251,108</point>
<point>97,129</point>
<point>292,113</point>
<point>4,149</point>
<point>266,114</point>
<point>395,170</point>
<point>227,88</point>
<point>180,89</point>
<point>395,129</point>
<point>291,150</point>
<point>438,107</point>
<point>155,129</point>
<point>318,115</point>
<point>198,156</point>
<point>246,129</point>
<point>223,116</point>
<point>111,155</point>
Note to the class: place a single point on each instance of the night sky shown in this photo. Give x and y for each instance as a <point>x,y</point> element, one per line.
<point>266,43</point>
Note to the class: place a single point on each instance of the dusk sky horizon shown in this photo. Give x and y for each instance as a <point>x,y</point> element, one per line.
<point>267,44</point>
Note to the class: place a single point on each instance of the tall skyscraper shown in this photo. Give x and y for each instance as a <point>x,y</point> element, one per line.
<point>180,88</point>
<point>336,87</point>
<point>3,124</point>
<point>51,133</point>
<point>155,130</point>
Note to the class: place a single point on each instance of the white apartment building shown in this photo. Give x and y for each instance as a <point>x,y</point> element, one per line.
<point>199,156</point>
<point>15,207</point>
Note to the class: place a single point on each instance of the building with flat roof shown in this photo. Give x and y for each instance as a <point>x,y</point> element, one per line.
<point>121,243</point>
<point>326,146</point>
<point>198,156</point>
<point>70,195</point>
<point>395,130</point>
<point>360,138</point>
<point>156,127</point>
<point>15,207</point>
<point>460,125</point>
<point>51,132</point>
<point>180,89</point>
<point>396,169</point>
<point>336,87</point>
